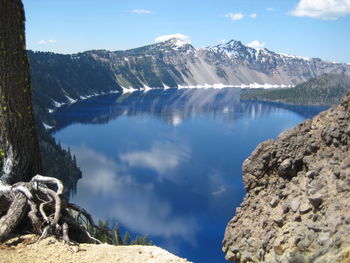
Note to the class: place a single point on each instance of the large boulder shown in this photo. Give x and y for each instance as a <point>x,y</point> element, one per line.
<point>297,206</point>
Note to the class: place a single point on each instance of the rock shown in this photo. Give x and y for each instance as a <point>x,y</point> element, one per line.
<point>297,218</point>
<point>305,208</point>
<point>316,200</point>
<point>294,205</point>
<point>230,256</point>
<point>286,168</point>
<point>311,174</point>
<point>337,242</point>
<point>285,208</point>
<point>274,201</point>
<point>278,249</point>
<point>298,238</point>
<point>315,186</point>
<point>304,244</point>
<point>311,235</point>
<point>266,240</point>
<point>278,220</point>
<point>315,218</point>
<point>307,169</point>
<point>333,222</point>
<point>315,228</point>
<point>347,219</point>
<point>323,238</point>
<point>346,163</point>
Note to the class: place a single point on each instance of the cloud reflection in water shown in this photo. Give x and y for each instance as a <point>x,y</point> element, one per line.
<point>132,203</point>
<point>162,157</point>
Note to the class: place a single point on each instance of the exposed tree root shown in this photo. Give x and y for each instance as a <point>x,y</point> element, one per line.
<point>47,210</point>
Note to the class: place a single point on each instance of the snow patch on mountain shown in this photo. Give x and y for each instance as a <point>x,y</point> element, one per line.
<point>293,56</point>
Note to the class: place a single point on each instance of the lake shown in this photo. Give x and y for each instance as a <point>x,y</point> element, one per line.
<point>167,163</point>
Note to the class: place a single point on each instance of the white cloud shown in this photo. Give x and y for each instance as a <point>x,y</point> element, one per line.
<point>253,16</point>
<point>141,12</point>
<point>44,42</point>
<point>256,44</point>
<point>235,16</point>
<point>322,9</point>
<point>178,36</point>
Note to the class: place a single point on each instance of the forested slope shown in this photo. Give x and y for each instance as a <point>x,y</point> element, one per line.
<point>327,89</point>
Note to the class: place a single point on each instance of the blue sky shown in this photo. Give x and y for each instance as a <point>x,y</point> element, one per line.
<point>310,28</point>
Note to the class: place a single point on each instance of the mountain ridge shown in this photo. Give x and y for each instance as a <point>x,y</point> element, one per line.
<point>63,79</point>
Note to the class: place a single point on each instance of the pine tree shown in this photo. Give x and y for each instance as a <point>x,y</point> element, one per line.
<point>117,236</point>
<point>126,238</point>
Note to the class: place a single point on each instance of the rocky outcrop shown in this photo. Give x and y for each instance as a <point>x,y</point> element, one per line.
<point>297,206</point>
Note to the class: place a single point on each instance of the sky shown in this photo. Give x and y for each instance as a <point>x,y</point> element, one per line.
<point>309,28</point>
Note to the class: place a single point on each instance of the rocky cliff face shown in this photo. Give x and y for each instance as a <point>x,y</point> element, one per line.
<point>297,206</point>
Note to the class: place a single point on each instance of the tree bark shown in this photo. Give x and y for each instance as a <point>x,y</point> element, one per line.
<point>20,160</point>
<point>13,217</point>
<point>19,149</point>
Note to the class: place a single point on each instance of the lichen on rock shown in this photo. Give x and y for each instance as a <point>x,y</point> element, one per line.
<point>297,206</point>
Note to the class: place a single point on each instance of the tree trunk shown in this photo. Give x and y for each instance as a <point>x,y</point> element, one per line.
<point>19,149</point>
<point>20,160</point>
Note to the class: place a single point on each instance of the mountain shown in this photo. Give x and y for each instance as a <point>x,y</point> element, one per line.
<point>327,89</point>
<point>265,66</point>
<point>296,208</point>
<point>60,79</point>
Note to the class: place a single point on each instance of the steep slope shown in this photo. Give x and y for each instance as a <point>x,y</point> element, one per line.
<point>327,89</point>
<point>265,66</point>
<point>57,162</point>
<point>297,206</point>
<point>61,79</point>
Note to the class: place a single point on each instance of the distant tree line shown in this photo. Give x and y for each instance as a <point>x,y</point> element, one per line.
<point>113,235</point>
<point>327,89</point>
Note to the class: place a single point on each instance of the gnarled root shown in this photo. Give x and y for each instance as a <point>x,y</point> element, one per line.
<point>48,211</point>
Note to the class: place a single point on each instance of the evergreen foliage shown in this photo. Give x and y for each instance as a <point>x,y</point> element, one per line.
<point>113,235</point>
<point>327,89</point>
<point>58,162</point>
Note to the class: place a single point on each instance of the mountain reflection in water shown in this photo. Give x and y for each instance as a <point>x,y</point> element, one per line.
<point>172,106</point>
<point>168,163</point>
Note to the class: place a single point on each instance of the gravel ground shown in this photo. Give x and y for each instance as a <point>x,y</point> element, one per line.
<point>26,249</point>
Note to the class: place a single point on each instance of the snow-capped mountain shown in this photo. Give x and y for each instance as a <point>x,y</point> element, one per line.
<point>229,64</point>
<point>172,63</point>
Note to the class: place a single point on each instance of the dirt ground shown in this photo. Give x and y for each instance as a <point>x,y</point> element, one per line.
<point>26,249</point>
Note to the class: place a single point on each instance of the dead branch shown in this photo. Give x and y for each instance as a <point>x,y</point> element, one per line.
<point>22,200</point>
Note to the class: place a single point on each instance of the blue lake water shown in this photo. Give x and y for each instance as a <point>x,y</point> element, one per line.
<point>168,163</point>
